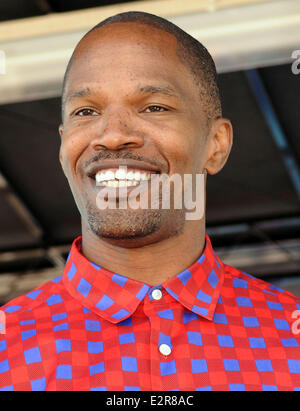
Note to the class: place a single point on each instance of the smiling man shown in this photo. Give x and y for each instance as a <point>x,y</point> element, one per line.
<point>144,303</point>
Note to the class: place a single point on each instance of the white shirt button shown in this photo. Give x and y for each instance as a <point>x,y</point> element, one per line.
<point>156,294</point>
<point>165,349</point>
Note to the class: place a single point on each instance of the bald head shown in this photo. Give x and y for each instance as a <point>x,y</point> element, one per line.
<point>190,52</point>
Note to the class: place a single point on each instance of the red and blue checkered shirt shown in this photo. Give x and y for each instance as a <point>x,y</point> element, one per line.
<point>211,327</point>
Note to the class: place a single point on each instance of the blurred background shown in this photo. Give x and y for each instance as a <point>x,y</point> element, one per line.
<point>253,205</point>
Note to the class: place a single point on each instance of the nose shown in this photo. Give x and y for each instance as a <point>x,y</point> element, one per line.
<point>115,132</point>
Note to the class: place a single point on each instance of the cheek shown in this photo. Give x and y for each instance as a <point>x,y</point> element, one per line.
<point>70,153</point>
<point>181,148</point>
<point>72,147</point>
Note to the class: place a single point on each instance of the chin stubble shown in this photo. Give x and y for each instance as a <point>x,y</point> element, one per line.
<point>133,224</point>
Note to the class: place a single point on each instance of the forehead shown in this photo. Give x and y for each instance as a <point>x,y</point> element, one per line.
<point>130,49</point>
<point>132,33</point>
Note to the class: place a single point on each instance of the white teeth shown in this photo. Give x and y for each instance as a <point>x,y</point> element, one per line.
<point>137,175</point>
<point>117,184</point>
<point>121,174</point>
<point>130,175</point>
<point>105,176</point>
<point>110,175</point>
<point>144,176</point>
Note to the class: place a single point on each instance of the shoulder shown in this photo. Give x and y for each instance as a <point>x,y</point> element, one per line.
<point>260,290</point>
<point>33,299</point>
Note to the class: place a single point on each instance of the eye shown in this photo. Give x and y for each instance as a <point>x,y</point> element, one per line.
<point>86,112</point>
<point>154,109</point>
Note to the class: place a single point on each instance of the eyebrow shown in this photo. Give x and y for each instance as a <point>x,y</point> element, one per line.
<point>85,92</point>
<point>166,90</point>
<point>148,89</point>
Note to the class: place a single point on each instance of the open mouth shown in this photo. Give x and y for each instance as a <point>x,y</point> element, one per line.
<point>122,177</point>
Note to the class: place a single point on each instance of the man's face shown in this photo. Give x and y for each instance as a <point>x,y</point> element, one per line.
<point>130,101</point>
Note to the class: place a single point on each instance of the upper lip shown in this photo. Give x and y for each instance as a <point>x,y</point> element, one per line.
<point>107,164</point>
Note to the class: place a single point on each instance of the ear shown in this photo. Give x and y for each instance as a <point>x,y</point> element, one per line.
<point>61,130</point>
<point>219,145</point>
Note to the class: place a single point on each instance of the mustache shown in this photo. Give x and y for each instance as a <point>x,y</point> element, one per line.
<point>128,155</point>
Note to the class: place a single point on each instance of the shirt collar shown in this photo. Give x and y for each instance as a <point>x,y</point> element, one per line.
<point>115,297</point>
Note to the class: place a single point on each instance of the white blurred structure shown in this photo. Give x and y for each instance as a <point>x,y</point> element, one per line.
<point>240,34</point>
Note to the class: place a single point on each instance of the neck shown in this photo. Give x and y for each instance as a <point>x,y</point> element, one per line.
<point>153,263</point>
